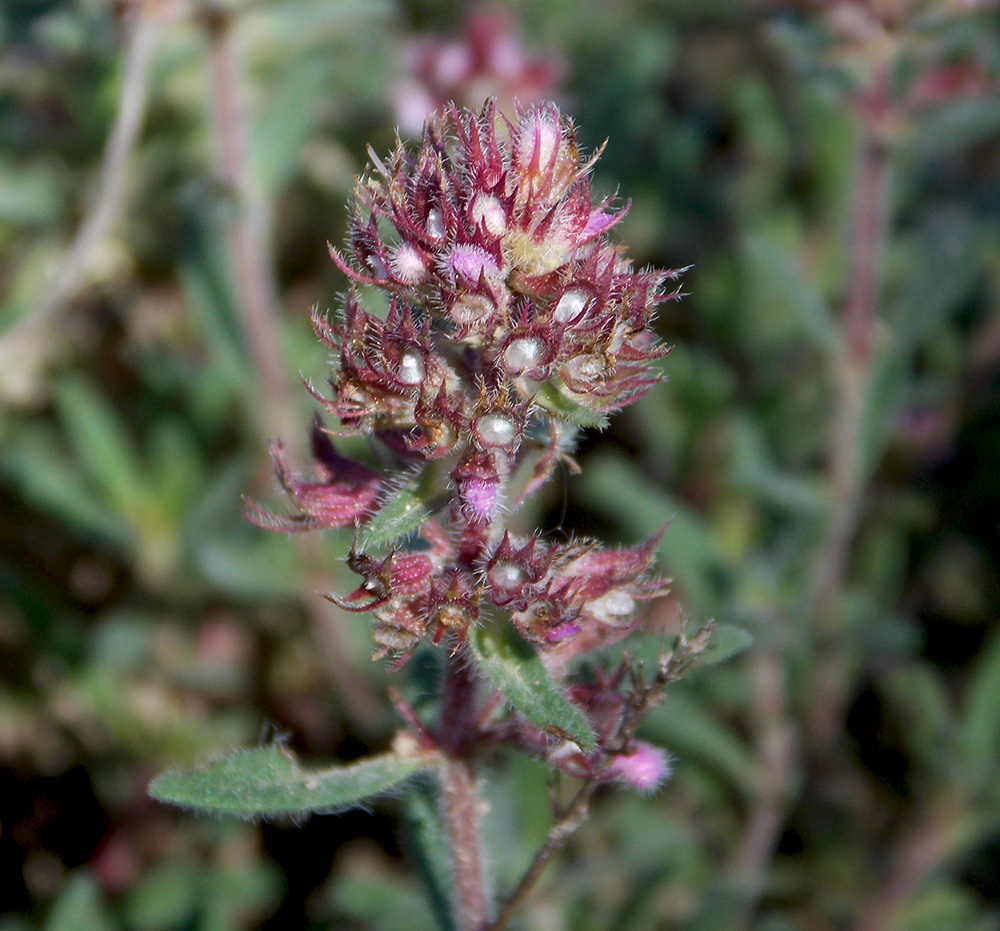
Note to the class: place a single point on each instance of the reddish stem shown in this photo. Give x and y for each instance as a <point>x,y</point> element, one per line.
<point>257,293</point>
<point>461,805</point>
<point>853,377</point>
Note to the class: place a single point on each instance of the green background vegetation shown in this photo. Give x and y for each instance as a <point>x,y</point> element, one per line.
<point>826,446</point>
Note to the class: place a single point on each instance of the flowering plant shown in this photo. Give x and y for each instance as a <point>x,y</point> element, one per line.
<point>512,321</point>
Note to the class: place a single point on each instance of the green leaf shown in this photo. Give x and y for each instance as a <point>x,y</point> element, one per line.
<point>753,469</point>
<point>428,844</point>
<point>727,641</point>
<point>260,568</point>
<point>613,486</point>
<point>45,477</point>
<point>269,781</point>
<point>514,668</point>
<point>979,734</point>
<point>781,281</point>
<point>78,906</point>
<point>28,194</point>
<point>284,129</point>
<point>102,445</point>
<point>405,511</point>
<point>382,902</point>
<point>685,724</point>
<point>553,396</point>
<point>917,696</point>
<point>165,896</point>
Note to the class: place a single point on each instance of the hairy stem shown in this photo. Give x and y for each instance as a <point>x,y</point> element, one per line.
<point>250,252</point>
<point>252,270</point>
<point>853,373</point>
<point>462,808</point>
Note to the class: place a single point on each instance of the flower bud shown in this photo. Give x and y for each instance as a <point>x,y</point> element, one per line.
<point>645,768</point>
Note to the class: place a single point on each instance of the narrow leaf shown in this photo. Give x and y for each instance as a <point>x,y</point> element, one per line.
<point>428,843</point>
<point>727,641</point>
<point>684,724</point>
<point>613,486</point>
<point>45,477</point>
<point>405,511</point>
<point>269,781</point>
<point>979,739</point>
<point>101,444</point>
<point>514,668</point>
<point>78,906</point>
<point>553,397</point>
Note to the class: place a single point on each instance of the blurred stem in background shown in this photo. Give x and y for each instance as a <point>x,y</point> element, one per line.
<point>259,312</point>
<point>852,380</point>
<point>252,265</point>
<point>30,344</point>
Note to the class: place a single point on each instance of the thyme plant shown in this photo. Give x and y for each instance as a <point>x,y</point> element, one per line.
<point>512,322</point>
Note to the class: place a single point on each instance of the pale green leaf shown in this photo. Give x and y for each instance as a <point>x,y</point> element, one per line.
<point>270,781</point>
<point>78,906</point>
<point>554,397</point>
<point>47,479</point>
<point>406,510</point>
<point>101,445</point>
<point>727,641</point>
<point>428,844</point>
<point>514,668</point>
<point>979,729</point>
<point>686,725</point>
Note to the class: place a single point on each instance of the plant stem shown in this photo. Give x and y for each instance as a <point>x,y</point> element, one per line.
<point>568,822</point>
<point>32,335</point>
<point>853,373</point>
<point>252,270</point>
<point>462,808</point>
<point>250,252</point>
<point>776,750</point>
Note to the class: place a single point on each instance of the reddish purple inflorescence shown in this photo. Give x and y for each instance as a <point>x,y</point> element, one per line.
<point>511,322</point>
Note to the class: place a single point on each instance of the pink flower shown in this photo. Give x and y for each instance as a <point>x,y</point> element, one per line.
<point>511,319</point>
<point>488,59</point>
<point>644,767</point>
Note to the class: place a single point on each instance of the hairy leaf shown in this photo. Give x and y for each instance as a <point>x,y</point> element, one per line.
<point>553,397</point>
<point>405,511</point>
<point>269,781</point>
<point>514,668</point>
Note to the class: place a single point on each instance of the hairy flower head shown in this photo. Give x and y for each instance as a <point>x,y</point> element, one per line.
<point>513,321</point>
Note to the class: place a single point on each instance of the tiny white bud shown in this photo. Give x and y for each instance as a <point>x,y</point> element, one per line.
<point>586,368</point>
<point>489,212</point>
<point>411,368</point>
<point>495,430</point>
<point>409,265</point>
<point>612,607</point>
<point>570,306</point>
<point>470,309</point>
<point>538,136</point>
<point>522,354</point>
<point>507,575</point>
<point>435,223</point>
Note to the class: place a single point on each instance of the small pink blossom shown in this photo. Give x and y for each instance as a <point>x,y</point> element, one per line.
<point>645,767</point>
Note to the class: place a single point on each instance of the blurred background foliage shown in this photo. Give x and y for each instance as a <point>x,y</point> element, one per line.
<point>826,450</point>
